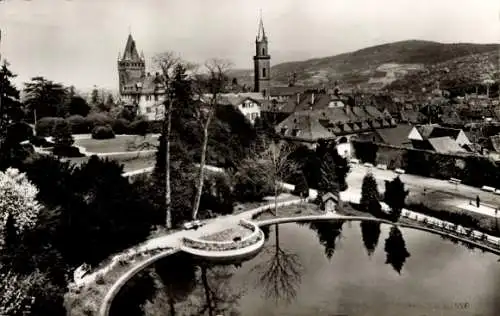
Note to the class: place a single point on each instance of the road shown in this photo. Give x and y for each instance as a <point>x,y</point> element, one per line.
<point>455,195</point>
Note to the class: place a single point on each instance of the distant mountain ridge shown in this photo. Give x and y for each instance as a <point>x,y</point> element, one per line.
<point>379,66</point>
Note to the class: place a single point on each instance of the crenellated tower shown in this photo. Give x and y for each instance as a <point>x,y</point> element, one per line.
<point>262,62</point>
<point>131,68</point>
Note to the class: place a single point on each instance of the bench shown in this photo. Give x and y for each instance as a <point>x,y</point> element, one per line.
<point>455,181</point>
<point>367,164</point>
<point>382,167</point>
<point>354,161</point>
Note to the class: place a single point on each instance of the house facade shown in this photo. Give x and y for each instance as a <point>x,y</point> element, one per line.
<point>438,138</point>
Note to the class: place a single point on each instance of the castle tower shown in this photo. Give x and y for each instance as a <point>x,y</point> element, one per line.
<point>262,62</point>
<point>131,68</point>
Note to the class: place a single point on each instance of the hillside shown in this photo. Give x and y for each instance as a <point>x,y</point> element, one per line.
<point>375,66</point>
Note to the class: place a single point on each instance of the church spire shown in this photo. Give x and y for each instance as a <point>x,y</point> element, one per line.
<point>261,34</point>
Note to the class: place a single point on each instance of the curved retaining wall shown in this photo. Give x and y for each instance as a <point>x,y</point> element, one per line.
<point>239,253</point>
<point>115,288</point>
<point>197,242</point>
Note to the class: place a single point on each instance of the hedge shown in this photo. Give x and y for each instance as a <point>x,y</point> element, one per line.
<point>45,125</point>
<point>85,125</point>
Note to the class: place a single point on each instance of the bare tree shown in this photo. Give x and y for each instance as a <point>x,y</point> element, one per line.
<point>167,63</point>
<point>275,157</point>
<point>214,84</point>
<point>280,276</point>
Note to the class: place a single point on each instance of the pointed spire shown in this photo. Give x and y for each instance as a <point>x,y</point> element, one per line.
<point>261,34</point>
<point>130,52</point>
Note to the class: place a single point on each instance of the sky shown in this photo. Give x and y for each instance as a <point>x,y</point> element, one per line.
<point>77,42</point>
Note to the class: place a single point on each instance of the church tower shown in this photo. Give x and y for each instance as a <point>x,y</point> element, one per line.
<point>131,68</point>
<point>262,62</point>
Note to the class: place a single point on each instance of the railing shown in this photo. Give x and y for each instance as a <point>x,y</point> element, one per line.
<point>456,230</point>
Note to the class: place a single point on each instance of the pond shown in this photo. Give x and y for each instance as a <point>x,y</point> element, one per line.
<point>325,268</point>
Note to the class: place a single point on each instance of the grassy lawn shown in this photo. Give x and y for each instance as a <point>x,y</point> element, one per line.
<point>117,144</point>
<point>129,163</point>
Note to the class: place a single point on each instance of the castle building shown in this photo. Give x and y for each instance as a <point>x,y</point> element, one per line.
<point>144,91</point>
<point>262,62</point>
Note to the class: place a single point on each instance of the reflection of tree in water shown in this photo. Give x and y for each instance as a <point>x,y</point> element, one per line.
<point>328,232</point>
<point>177,277</point>
<point>395,248</point>
<point>280,275</point>
<point>133,295</point>
<point>371,233</point>
<point>266,231</point>
<point>213,294</point>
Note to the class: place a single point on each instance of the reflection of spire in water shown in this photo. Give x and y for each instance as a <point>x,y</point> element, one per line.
<point>395,248</point>
<point>280,275</point>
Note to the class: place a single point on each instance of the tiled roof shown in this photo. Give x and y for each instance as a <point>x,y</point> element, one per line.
<point>303,125</point>
<point>439,131</point>
<point>445,145</point>
<point>396,136</point>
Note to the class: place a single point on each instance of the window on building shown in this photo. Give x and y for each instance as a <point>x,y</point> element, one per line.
<point>264,72</point>
<point>148,109</point>
<point>263,51</point>
<point>156,97</point>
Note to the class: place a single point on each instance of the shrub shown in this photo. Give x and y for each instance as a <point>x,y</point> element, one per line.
<point>139,127</point>
<point>18,200</point>
<point>121,126</point>
<point>98,119</point>
<point>155,127</point>
<point>45,126</point>
<point>78,124</point>
<point>103,132</point>
<point>62,134</point>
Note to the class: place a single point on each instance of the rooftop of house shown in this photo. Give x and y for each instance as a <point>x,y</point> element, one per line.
<point>332,122</point>
<point>430,131</point>
<point>445,145</point>
<point>396,136</point>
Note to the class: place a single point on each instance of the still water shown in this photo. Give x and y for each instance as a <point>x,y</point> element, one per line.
<point>325,268</point>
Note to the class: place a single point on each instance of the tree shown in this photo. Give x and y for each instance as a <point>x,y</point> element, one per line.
<point>276,159</point>
<point>330,169</point>
<point>395,195</point>
<point>62,134</point>
<point>301,188</point>
<point>77,106</point>
<point>18,202</point>
<point>217,70</point>
<point>251,181</point>
<point>94,97</point>
<point>15,293</point>
<point>11,113</point>
<point>168,63</point>
<point>110,100</point>
<point>369,195</point>
<point>44,98</point>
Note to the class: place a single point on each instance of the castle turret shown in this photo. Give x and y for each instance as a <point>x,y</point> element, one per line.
<point>262,62</point>
<point>131,67</point>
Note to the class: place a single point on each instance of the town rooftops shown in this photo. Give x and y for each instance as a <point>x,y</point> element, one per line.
<point>445,145</point>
